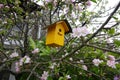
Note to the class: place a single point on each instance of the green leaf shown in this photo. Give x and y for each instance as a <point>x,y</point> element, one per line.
<point>117,42</point>
<point>111,31</point>
<point>116,18</point>
<point>61,78</point>
<point>3,1</point>
<point>45,51</point>
<point>50,6</point>
<point>94,1</point>
<point>32,43</point>
<point>49,78</point>
<point>70,7</point>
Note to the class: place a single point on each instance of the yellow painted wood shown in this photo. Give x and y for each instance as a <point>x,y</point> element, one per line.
<point>55,34</point>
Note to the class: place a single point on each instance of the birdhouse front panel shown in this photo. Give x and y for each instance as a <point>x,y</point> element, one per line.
<point>59,34</point>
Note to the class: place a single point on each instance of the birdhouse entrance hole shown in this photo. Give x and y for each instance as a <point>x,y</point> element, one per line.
<point>60,30</point>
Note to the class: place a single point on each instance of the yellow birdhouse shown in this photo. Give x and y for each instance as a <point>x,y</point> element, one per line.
<point>56,32</point>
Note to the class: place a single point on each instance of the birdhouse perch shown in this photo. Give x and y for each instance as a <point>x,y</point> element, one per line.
<point>56,32</point>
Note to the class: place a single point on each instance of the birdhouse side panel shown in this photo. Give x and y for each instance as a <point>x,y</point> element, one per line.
<point>50,37</point>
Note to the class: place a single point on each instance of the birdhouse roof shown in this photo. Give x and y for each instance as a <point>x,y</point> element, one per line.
<point>66,25</point>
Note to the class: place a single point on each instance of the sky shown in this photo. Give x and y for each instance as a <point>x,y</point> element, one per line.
<point>110,4</point>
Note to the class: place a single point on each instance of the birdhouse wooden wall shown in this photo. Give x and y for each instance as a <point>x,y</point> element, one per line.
<point>55,34</point>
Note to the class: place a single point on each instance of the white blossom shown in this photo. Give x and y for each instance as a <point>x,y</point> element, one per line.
<point>52,66</point>
<point>48,1</point>
<point>21,61</point>
<point>81,61</point>
<point>27,59</point>
<point>65,10</point>
<point>68,77</point>
<point>36,50</point>
<point>96,62</point>
<point>71,59</point>
<point>44,75</point>
<point>109,40</point>
<point>15,54</point>
<point>84,67</point>
<point>111,64</point>
<point>111,57</point>
<point>88,3</point>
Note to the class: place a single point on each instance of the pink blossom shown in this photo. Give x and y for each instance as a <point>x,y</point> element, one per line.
<point>1,5</point>
<point>84,31</point>
<point>44,75</point>
<point>111,64</point>
<point>88,3</point>
<point>36,50</point>
<point>77,32</point>
<point>96,62</point>
<point>17,67</point>
<point>72,0</point>
<point>79,7</point>
<point>110,57</point>
<point>84,67</point>
<point>116,77</point>
<point>48,1</point>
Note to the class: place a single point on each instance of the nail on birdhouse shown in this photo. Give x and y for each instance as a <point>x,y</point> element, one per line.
<point>56,32</point>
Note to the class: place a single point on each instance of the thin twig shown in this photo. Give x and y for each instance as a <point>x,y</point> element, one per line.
<point>104,49</point>
<point>32,71</point>
<point>4,54</point>
<point>85,70</point>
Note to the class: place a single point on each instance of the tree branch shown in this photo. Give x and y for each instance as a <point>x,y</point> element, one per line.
<point>82,45</point>
<point>108,19</point>
<point>104,49</point>
<point>102,78</point>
